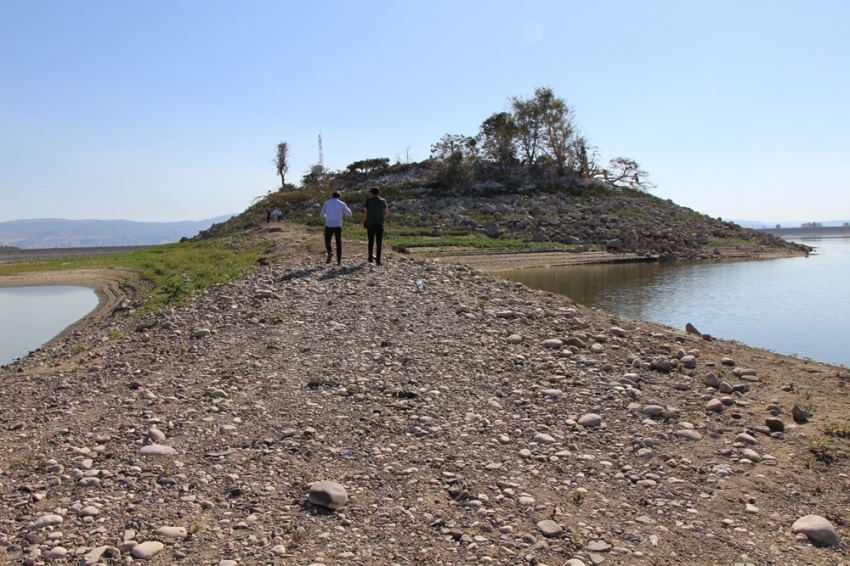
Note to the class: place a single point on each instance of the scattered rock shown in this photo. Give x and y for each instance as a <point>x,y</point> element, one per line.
<point>817,529</point>
<point>328,494</point>
<point>147,550</point>
<point>550,528</point>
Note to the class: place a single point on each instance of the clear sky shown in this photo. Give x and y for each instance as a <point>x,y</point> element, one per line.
<point>162,110</point>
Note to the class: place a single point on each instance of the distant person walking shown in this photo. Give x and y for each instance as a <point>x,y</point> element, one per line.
<point>268,215</point>
<point>332,212</point>
<point>373,220</point>
<point>276,214</point>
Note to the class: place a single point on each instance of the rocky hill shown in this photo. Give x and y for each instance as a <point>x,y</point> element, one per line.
<point>415,412</point>
<point>575,218</point>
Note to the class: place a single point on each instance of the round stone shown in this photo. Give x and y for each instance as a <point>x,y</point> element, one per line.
<point>157,450</point>
<point>590,420</point>
<point>147,549</point>
<point>171,532</point>
<point>689,434</point>
<point>817,528</point>
<point>328,494</point>
<point>46,521</point>
<point>652,410</point>
<point>549,528</point>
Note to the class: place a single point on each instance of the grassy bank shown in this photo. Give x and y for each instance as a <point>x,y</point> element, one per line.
<point>173,271</point>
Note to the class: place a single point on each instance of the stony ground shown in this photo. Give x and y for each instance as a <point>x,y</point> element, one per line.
<point>470,420</point>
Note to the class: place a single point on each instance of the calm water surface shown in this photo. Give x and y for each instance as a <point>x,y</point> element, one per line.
<point>791,306</point>
<point>31,316</point>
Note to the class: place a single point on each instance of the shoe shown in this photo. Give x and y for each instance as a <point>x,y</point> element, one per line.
<point>339,262</point>
<point>377,262</point>
<point>371,259</point>
<point>329,258</point>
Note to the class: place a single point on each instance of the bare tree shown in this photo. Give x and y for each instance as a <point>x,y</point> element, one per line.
<point>281,162</point>
<point>623,172</point>
<point>584,158</point>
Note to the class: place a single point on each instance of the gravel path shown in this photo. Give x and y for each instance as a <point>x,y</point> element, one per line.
<point>453,418</point>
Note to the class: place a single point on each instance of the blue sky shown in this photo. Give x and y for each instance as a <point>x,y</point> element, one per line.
<point>171,110</point>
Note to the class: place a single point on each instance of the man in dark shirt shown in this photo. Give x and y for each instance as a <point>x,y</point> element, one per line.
<point>373,219</point>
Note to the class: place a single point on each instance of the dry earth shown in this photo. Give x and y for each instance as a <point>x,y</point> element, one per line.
<point>469,419</point>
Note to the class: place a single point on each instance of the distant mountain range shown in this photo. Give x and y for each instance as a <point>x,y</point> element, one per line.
<point>757,224</point>
<point>61,233</point>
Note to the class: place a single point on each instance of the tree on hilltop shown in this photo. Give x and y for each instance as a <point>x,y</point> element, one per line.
<point>450,144</point>
<point>498,138</point>
<point>626,173</point>
<point>281,162</point>
<point>367,166</point>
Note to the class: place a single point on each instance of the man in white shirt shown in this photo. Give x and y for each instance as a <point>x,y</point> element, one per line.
<point>332,212</point>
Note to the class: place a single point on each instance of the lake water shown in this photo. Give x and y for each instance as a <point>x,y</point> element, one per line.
<point>31,316</point>
<point>794,306</point>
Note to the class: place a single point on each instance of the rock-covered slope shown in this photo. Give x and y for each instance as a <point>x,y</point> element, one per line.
<point>642,225</point>
<point>596,217</point>
<point>468,419</point>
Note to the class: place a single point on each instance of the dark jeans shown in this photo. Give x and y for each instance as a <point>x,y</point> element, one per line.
<point>337,234</point>
<point>376,236</point>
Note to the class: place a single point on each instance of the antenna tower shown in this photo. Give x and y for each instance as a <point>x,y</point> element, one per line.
<point>321,153</point>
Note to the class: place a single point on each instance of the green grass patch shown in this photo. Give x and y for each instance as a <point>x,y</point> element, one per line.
<point>408,239</point>
<point>174,272</point>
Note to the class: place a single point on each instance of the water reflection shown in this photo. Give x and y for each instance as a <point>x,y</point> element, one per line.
<point>31,316</point>
<point>792,306</point>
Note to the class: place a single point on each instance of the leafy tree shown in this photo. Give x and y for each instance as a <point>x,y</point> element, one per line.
<point>526,115</point>
<point>544,127</point>
<point>450,144</point>
<point>368,166</point>
<point>498,138</point>
<point>556,126</point>
<point>281,162</point>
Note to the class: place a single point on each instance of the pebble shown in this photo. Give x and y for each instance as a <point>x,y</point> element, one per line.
<point>157,450</point>
<point>328,494</point>
<point>45,521</point>
<point>147,550</point>
<point>597,546</point>
<point>689,434</point>
<point>746,438</point>
<point>171,532</point>
<point>590,420</point>
<point>652,410</point>
<point>56,553</point>
<point>817,529</point>
<point>549,528</point>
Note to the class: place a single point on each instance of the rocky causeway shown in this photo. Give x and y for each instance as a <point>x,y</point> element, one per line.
<point>419,412</point>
